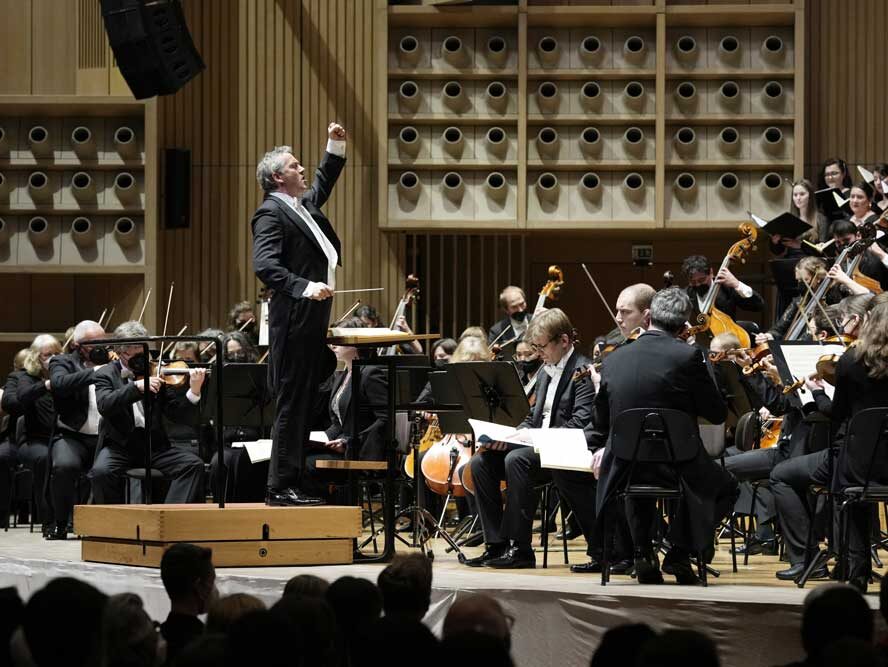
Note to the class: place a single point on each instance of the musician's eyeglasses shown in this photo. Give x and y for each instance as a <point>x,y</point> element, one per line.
<point>540,348</point>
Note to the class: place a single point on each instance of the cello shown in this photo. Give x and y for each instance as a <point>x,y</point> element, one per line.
<point>713,320</point>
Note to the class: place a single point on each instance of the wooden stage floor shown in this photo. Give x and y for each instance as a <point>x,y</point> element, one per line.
<point>754,617</point>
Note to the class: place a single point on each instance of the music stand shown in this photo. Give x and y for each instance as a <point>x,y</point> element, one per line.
<point>491,391</point>
<point>246,400</point>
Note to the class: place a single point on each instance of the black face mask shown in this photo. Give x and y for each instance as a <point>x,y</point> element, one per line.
<point>247,328</point>
<point>441,363</point>
<point>518,315</point>
<point>95,354</point>
<point>701,290</point>
<point>529,366</point>
<point>239,357</point>
<point>137,364</point>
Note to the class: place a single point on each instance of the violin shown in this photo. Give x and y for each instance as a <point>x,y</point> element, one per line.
<point>586,371</point>
<point>711,318</point>
<point>770,432</point>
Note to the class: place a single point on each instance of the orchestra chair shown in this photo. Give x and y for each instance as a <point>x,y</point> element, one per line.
<point>866,458</point>
<point>546,492</point>
<point>22,487</point>
<point>643,438</point>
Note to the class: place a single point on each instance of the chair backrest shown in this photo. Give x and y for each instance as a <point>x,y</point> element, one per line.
<point>655,435</point>
<point>866,446</point>
<point>21,433</point>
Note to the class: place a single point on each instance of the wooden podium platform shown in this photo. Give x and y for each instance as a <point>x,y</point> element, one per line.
<point>240,534</point>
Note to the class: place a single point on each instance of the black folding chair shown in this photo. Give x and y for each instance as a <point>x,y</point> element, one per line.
<point>647,437</point>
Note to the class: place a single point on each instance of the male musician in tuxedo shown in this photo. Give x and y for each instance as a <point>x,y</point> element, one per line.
<point>873,264</point>
<point>513,301</point>
<point>295,253</point>
<point>733,294</point>
<point>72,379</point>
<point>659,371</point>
<point>120,387</point>
<point>561,402</point>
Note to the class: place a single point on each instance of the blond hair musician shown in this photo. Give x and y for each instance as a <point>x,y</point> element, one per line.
<point>514,303</point>
<point>27,397</point>
<point>295,253</point>
<point>861,383</point>
<point>560,402</point>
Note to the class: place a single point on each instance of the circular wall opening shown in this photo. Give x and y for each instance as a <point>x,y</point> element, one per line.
<point>635,44</point>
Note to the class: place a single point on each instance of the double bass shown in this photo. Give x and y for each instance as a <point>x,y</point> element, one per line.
<point>411,294</point>
<point>713,320</point>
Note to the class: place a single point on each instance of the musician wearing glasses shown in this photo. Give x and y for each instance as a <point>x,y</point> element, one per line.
<point>560,403</point>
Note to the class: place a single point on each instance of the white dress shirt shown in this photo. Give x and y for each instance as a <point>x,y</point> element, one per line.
<point>335,148</point>
<point>91,425</point>
<point>554,371</point>
<point>742,289</point>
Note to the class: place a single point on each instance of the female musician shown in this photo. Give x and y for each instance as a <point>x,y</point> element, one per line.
<point>880,187</point>
<point>861,202</point>
<point>242,318</point>
<point>473,332</point>
<point>442,351</point>
<point>834,174</point>
<point>873,264</point>
<point>791,250</point>
<point>810,271</point>
<point>238,348</point>
<point>30,398</point>
<point>187,351</point>
<point>368,443</point>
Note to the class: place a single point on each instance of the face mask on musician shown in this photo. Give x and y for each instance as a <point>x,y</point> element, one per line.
<point>137,364</point>
<point>441,363</point>
<point>528,366</point>
<point>239,357</point>
<point>701,290</point>
<point>518,315</point>
<point>95,354</point>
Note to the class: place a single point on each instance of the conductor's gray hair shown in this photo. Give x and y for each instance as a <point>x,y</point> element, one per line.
<point>271,163</point>
<point>85,328</point>
<point>131,329</point>
<point>670,309</point>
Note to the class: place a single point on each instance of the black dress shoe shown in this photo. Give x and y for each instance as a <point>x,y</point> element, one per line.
<point>515,558</point>
<point>756,547</point>
<point>622,566</point>
<point>57,534</point>
<point>291,497</point>
<point>592,567</point>
<point>492,551</point>
<point>793,572</point>
<point>570,533</point>
<point>646,572</point>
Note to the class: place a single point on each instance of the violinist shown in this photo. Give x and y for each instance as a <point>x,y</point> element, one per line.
<point>242,317</point>
<point>72,383</point>
<point>514,303</point>
<point>208,350</point>
<point>442,351</point>
<point>734,294</point>
<point>527,362</point>
<point>809,271</point>
<point>245,481</point>
<point>31,399</point>
<point>560,403</point>
<point>368,443</point>
<point>187,351</point>
<point>873,264</point>
<point>657,370</point>
<point>119,387</point>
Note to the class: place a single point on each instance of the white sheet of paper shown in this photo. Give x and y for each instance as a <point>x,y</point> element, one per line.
<point>368,332</point>
<point>318,436</point>
<point>499,433</point>
<point>257,450</point>
<point>802,361</point>
<point>562,448</point>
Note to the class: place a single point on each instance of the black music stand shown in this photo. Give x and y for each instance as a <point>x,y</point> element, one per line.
<point>246,399</point>
<point>491,391</point>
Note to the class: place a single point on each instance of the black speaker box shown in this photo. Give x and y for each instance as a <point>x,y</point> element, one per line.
<point>152,45</point>
<point>176,188</point>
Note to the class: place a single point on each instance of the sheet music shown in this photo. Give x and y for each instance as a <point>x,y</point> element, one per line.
<point>257,450</point>
<point>489,432</point>
<point>802,361</point>
<point>318,436</point>
<point>562,448</point>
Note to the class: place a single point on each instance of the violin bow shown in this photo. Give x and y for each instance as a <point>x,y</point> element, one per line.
<point>144,305</point>
<point>501,334</point>
<point>166,319</point>
<point>600,295</point>
<point>166,348</point>
<point>102,316</point>
<point>347,313</point>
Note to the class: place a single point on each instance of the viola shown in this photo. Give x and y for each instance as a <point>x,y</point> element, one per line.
<point>586,371</point>
<point>713,320</point>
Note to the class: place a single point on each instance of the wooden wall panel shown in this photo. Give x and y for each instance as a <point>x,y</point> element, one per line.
<point>54,47</point>
<point>845,102</point>
<point>15,47</point>
<point>277,72</point>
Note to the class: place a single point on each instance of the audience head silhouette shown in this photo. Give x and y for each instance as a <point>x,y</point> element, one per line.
<point>406,586</point>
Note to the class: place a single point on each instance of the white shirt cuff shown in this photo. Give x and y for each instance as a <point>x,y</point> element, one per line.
<point>885,261</point>
<point>336,147</point>
<point>744,290</point>
<point>311,289</point>
<point>193,398</point>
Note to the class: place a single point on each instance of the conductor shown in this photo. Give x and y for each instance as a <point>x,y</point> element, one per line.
<point>295,253</point>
